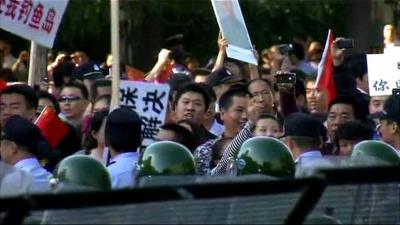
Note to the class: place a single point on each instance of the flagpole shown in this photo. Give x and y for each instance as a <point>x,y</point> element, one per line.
<point>115,69</point>
<point>32,64</point>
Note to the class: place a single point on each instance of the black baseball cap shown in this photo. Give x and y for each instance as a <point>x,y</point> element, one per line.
<point>391,110</point>
<point>223,76</point>
<point>304,125</point>
<point>23,132</point>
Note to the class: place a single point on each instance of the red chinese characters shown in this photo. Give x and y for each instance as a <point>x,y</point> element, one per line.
<point>48,24</point>
<point>2,2</point>
<point>25,10</point>
<point>33,13</point>
<point>12,8</point>
<point>37,16</point>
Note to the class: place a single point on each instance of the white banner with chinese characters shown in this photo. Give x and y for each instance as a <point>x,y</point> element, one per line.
<point>150,101</point>
<point>36,20</point>
<point>383,73</point>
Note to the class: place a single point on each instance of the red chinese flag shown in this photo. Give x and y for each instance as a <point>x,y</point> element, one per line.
<point>52,127</point>
<point>3,85</point>
<point>325,81</point>
<point>165,74</point>
<point>133,73</point>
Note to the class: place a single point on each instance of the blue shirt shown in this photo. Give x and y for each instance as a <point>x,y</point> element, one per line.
<point>121,169</point>
<point>309,161</point>
<point>40,176</point>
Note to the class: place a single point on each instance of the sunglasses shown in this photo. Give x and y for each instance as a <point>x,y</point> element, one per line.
<point>68,99</point>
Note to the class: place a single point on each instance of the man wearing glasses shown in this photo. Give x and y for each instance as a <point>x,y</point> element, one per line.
<point>74,98</point>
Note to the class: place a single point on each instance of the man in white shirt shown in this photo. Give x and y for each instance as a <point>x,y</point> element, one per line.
<point>123,137</point>
<point>304,138</point>
<point>20,143</point>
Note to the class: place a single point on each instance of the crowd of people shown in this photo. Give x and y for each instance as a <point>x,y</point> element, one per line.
<point>213,111</point>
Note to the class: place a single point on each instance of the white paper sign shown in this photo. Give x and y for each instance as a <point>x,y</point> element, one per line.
<point>231,23</point>
<point>150,101</point>
<point>383,73</point>
<point>36,20</point>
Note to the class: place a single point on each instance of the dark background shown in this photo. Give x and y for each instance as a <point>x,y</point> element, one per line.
<point>144,25</point>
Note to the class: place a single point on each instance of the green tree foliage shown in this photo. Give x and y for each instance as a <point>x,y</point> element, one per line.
<point>146,23</point>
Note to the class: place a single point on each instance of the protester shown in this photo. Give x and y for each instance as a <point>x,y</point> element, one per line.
<point>349,134</point>
<point>19,100</point>
<point>73,100</point>
<point>123,138</point>
<point>94,141</point>
<point>21,143</point>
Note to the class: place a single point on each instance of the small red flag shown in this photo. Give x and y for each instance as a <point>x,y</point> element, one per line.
<point>52,127</point>
<point>165,74</point>
<point>3,85</point>
<point>325,80</point>
<point>133,73</point>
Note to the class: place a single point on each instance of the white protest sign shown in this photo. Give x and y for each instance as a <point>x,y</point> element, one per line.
<point>231,23</point>
<point>150,101</point>
<point>36,20</point>
<point>383,73</point>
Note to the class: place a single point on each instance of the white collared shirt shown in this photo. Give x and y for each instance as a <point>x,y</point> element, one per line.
<point>121,169</point>
<point>40,176</point>
<point>309,161</point>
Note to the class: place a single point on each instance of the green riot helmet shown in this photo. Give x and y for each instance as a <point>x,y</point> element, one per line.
<point>166,158</point>
<point>83,171</point>
<point>372,152</point>
<point>265,155</point>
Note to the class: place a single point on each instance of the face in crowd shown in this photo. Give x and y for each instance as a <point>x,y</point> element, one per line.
<point>338,114</point>
<point>316,99</point>
<point>267,127</point>
<point>261,96</point>
<point>235,116</point>
<point>15,104</point>
<point>72,103</point>
<point>190,106</point>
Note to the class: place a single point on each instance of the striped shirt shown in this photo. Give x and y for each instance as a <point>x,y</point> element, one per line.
<point>231,150</point>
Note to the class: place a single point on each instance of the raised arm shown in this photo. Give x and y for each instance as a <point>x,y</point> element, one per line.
<point>222,44</point>
<point>163,59</point>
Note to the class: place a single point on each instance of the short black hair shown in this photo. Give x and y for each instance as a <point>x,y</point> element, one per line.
<point>27,91</point>
<point>260,79</point>
<point>182,135</point>
<point>80,86</point>
<point>99,83</point>
<point>193,87</point>
<point>61,71</point>
<point>272,117</point>
<point>123,130</point>
<point>307,142</point>
<point>226,99</point>
<point>107,98</point>
<point>354,130</point>
<point>347,101</point>
<point>52,98</point>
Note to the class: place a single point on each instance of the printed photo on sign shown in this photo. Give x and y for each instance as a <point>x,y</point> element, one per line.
<point>35,20</point>
<point>150,101</point>
<point>231,23</point>
<point>383,73</point>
